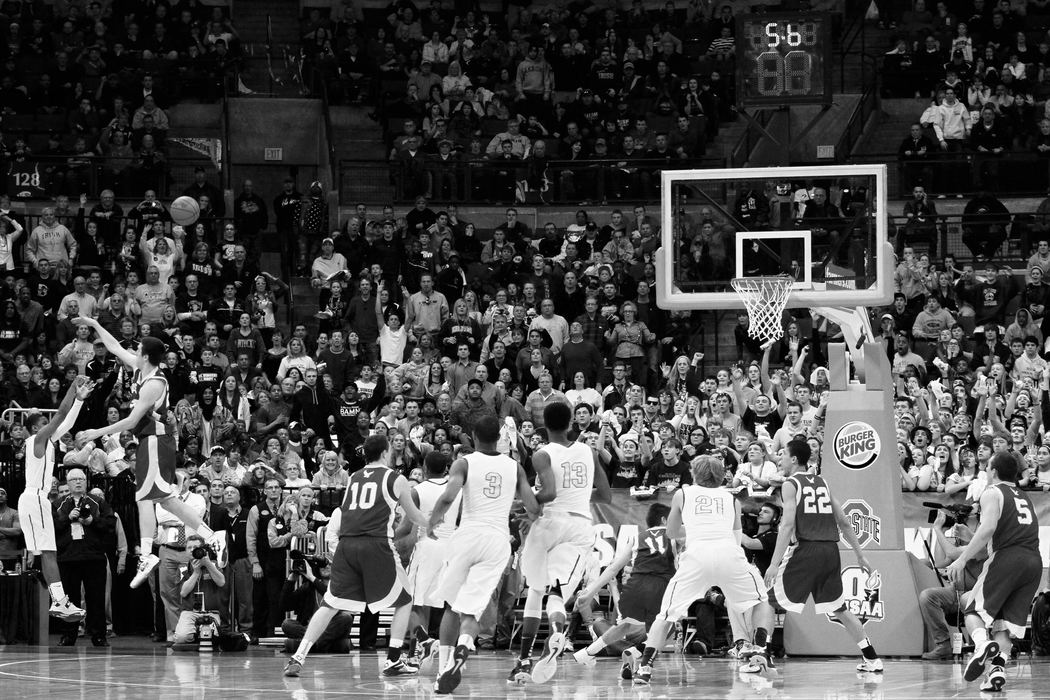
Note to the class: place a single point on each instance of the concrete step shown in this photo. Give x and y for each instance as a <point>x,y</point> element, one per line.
<point>197,120</point>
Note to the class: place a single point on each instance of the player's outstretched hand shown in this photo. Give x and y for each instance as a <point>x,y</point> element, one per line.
<point>955,571</point>
<point>84,387</point>
<point>82,438</point>
<point>583,600</point>
<point>863,563</point>
<point>771,575</point>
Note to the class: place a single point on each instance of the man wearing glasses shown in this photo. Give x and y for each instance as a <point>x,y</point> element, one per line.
<point>267,564</point>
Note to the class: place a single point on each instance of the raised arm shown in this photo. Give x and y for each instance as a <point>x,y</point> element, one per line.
<point>112,344</point>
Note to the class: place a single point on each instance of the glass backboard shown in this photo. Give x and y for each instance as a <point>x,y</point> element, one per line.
<point>823,226</point>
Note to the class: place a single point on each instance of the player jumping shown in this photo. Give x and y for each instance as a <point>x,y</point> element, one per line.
<point>652,560</point>
<point>806,559</point>
<point>366,569</point>
<point>1000,599</point>
<point>478,552</point>
<point>710,517</point>
<point>157,448</point>
<point>34,508</point>
<point>558,543</point>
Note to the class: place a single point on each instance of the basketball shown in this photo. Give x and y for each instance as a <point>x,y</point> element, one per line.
<point>185,210</point>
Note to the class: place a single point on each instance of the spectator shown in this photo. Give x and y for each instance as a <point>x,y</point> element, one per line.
<point>81,526</point>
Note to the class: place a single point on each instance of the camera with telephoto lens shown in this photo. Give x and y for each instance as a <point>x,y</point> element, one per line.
<point>300,561</point>
<point>954,512</point>
<point>204,550</point>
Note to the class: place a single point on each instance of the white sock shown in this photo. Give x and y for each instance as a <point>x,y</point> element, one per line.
<point>465,640</point>
<point>596,647</point>
<point>146,545</point>
<point>303,650</point>
<point>979,635</point>
<point>444,655</point>
<point>58,594</point>
<point>556,610</point>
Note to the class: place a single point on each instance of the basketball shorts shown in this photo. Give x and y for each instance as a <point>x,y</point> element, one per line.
<point>708,565</point>
<point>809,569</point>
<point>366,572</point>
<point>38,527</point>
<point>155,468</point>
<point>1005,589</point>
<point>641,597</point>
<point>474,565</point>
<point>555,552</point>
<point>424,571</point>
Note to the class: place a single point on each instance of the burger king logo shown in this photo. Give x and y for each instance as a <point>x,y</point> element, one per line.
<point>857,445</point>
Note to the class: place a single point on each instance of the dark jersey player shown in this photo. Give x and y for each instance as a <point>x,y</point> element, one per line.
<point>155,456</point>
<point>999,601</point>
<point>653,558</point>
<point>806,559</point>
<point>366,569</point>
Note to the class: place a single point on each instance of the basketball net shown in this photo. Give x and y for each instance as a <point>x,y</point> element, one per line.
<point>765,299</point>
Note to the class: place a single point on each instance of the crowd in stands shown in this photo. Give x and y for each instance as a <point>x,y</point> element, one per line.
<point>985,68</point>
<point>503,99</point>
<point>422,322</point>
<point>85,87</point>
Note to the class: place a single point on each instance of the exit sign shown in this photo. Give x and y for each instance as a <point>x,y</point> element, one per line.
<point>273,154</point>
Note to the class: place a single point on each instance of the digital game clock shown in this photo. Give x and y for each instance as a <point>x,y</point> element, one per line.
<point>783,58</point>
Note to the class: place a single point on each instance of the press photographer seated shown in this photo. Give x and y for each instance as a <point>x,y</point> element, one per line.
<point>201,591</point>
<point>301,595</point>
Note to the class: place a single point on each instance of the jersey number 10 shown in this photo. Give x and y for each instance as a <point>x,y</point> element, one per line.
<point>361,496</point>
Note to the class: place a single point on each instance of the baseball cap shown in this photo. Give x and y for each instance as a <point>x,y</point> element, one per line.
<point>218,449</point>
<point>628,64</point>
<point>885,316</point>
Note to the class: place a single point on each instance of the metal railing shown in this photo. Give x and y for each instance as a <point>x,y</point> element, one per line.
<point>43,177</point>
<point>1018,231</point>
<point>482,181</point>
<point>1020,173</point>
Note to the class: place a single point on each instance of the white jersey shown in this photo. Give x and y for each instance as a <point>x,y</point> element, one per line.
<point>40,471</point>
<point>429,492</point>
<point>708,515</point>
<point>488,492</point>
<point>573,470</point>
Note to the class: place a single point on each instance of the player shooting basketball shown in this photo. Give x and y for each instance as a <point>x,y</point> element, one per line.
<point>155,457</point>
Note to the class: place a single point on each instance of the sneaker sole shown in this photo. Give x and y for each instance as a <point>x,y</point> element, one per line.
<point>292,672</point>
<point>640,681</point>
<point>544,669</point>
<point>141,576</point>
<point>997,684</point>
<point>449,681</point>
<point>975,667</point>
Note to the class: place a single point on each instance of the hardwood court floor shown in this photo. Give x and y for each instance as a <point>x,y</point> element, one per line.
<point>156,673</point>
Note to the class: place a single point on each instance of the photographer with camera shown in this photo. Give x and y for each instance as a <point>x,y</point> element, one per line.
<point>302,595</point>
<point>82,528</point>
<point>201,591</point>
<point>938,603</point>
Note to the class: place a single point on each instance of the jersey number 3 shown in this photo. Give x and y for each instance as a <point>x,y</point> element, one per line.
<point>815,500</point>
<point>495,485</point>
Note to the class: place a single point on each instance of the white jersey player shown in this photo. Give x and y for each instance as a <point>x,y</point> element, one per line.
<point>558,544</point>
<point>34,508</point>
<point>428,556</point>
<point>710,518</point>
<point>479,550</point>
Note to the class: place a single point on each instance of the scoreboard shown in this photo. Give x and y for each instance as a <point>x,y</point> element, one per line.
<point>784,58</point>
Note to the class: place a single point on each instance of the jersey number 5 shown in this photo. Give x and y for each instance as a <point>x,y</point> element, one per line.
<point>815,500</point>
<point>361,496</point>
<point>1024,513</point>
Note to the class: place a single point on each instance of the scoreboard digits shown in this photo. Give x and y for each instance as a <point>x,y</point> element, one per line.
<point>784,58</point>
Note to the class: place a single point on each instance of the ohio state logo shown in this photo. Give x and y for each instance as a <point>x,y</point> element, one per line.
<point>857,445</point>
<point>866,525</point>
